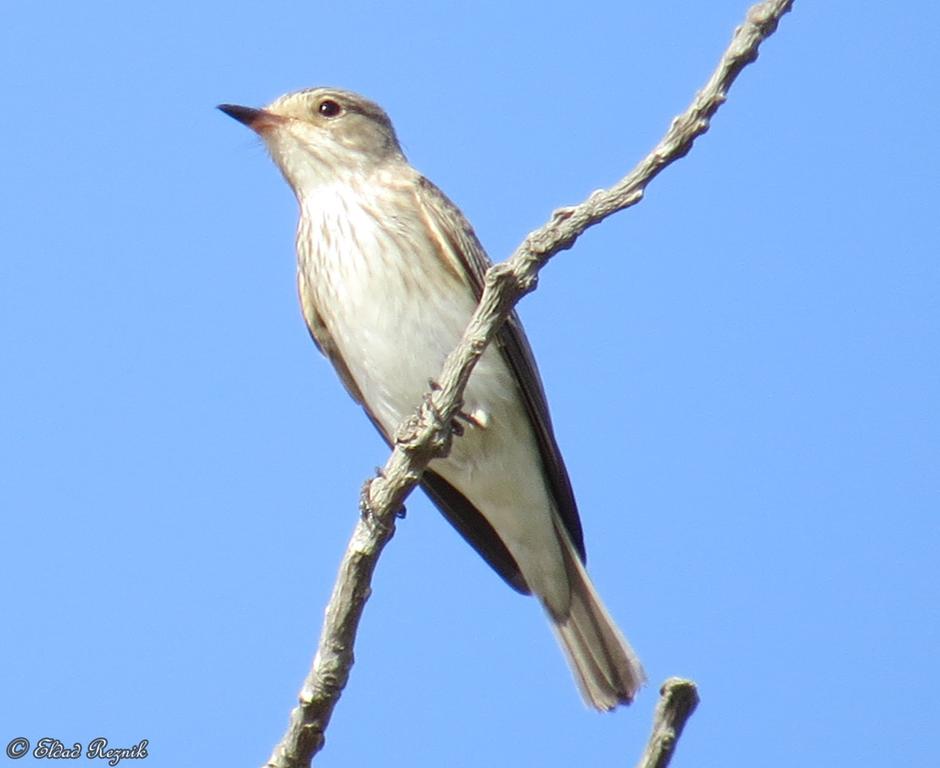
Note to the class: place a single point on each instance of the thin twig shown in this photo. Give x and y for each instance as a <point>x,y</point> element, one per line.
<point>678,699</point>
<point>427,434</point>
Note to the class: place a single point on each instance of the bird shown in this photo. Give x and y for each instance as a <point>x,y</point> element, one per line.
<point>389,272</point>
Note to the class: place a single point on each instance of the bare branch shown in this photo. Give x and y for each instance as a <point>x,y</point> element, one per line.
<point>678,699</point>
<point>427,434</point>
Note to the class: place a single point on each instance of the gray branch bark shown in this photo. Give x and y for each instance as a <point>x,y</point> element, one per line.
<point>427,435</point>
<point>677,701</point>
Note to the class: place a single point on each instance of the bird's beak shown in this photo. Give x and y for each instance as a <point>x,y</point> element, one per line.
<point>259,120</point>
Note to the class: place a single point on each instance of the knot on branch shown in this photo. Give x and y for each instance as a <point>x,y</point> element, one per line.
<point>426,432</point>
<point>765,17</point>
<point>408,434</point>
<point>520,272</point>
<point>328,685</point>
<point>566,212</point>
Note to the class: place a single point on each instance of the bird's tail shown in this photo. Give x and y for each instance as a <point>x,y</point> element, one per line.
<point>605,667</point>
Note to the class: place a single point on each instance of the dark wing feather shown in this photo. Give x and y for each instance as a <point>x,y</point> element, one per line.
<point>457,236</point>
<point>475,528</point>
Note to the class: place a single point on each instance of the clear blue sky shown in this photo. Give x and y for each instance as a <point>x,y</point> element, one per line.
<point>743,372</point>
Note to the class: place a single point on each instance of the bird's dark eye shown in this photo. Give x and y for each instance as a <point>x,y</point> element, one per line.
<point>329,108</point>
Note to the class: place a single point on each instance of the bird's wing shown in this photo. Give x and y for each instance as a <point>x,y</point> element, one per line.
<point>460,244</point>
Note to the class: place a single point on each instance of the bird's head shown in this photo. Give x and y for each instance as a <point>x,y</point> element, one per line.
<point>318,135</point>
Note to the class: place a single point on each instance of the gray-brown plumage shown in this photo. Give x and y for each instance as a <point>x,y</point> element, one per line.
<point>389,272</point>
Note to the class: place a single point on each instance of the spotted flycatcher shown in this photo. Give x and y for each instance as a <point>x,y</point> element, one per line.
<point>389,272</point>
